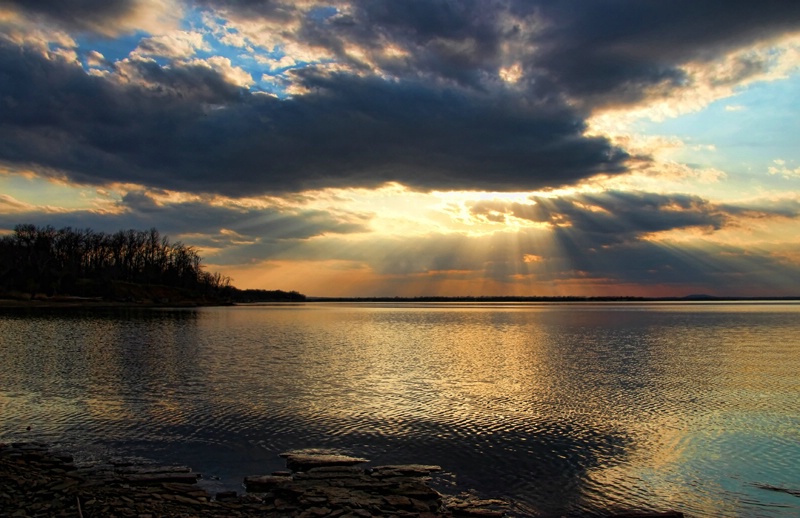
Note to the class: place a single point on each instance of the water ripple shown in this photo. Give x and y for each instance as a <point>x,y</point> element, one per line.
<point>567,410</point>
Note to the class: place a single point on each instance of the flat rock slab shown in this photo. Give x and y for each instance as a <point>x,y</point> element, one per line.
<point>404,470</point>
<point>262,483</point>
<point>321,481</point>
<point>153,470</point>
<point>160,478</point>
<point>304,462</point>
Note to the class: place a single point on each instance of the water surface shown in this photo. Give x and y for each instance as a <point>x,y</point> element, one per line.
<point>566,409</point>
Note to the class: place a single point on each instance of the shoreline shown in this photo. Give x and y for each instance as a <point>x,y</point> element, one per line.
<point>94,303</point>
<point>36,481</point>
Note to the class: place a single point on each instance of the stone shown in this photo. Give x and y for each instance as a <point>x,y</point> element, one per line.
<point>64,457</point>
<point>181,488</point>
<point>66,484</point>
<point>314,474</point>
<point>160,478</point>
<point>397,500</point>
<point>149,470</point>
<point>363,482</point>
<point>421,506</point>
<point>40,486</point>
<point>406,470</point>
<point>304,462</point>
<point>185,499</point>
<point>261,483</point>
<point>478,511</point>
<point>415,489</point>
<point>648,514</point>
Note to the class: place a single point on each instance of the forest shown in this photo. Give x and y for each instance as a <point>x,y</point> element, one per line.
<point>41,260</point>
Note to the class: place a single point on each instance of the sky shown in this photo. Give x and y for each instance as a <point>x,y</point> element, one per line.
<point>418,148</point>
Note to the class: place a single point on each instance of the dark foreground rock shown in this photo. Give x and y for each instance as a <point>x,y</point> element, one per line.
<point>37,482</point>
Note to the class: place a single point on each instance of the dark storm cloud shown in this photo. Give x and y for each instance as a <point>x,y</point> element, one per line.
<point>616,216</point>
<point>349,132</point>
<point>614,49</point>
<point>600,219</point>
<point>441,119</point>
<point>458,41</point>
<point>596,52</point>
<point>77,15</point>
<point>196,83</point>
<point>99,130</point>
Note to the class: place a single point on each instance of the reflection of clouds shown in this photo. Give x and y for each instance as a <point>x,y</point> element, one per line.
<point>717,412</point>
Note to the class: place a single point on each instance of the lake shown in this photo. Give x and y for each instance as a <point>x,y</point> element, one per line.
<point>564,409</point>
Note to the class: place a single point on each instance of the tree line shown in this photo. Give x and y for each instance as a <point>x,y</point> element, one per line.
<point>41,259</point>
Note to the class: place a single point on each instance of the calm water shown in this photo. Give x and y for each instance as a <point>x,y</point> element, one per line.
<point>573,409</point>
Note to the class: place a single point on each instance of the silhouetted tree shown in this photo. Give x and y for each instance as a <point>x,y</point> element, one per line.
<point>45,260</point>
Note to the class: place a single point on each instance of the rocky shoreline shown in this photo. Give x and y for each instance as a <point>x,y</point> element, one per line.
<point>38,482</point>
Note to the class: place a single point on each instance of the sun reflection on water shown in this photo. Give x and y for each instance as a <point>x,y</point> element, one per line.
<point>568,409</point>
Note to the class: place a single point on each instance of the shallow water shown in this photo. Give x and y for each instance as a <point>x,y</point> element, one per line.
<point>567,409</point>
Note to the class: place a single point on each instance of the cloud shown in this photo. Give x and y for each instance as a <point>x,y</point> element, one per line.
<point>603,240</point>
<point>781,168</point>
<point>594,53</point>
<point>96,59</point>
<point>435,95</point>
<point>616,216</point>
<point>8,204</point>
<point>208,223</point>
<point>734,108</point>
<point>256,223</point>
<point>104,17</point>
<point>152,125</point>
<point>176,44</point>
<point>618,51</point>
<point>193,84</point>
<point>617,242</point>
<point>566,263</point>
<point>604,220</point>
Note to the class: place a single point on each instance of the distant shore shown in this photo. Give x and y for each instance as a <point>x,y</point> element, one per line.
<point>66,301</point>
<point>564,299</point>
